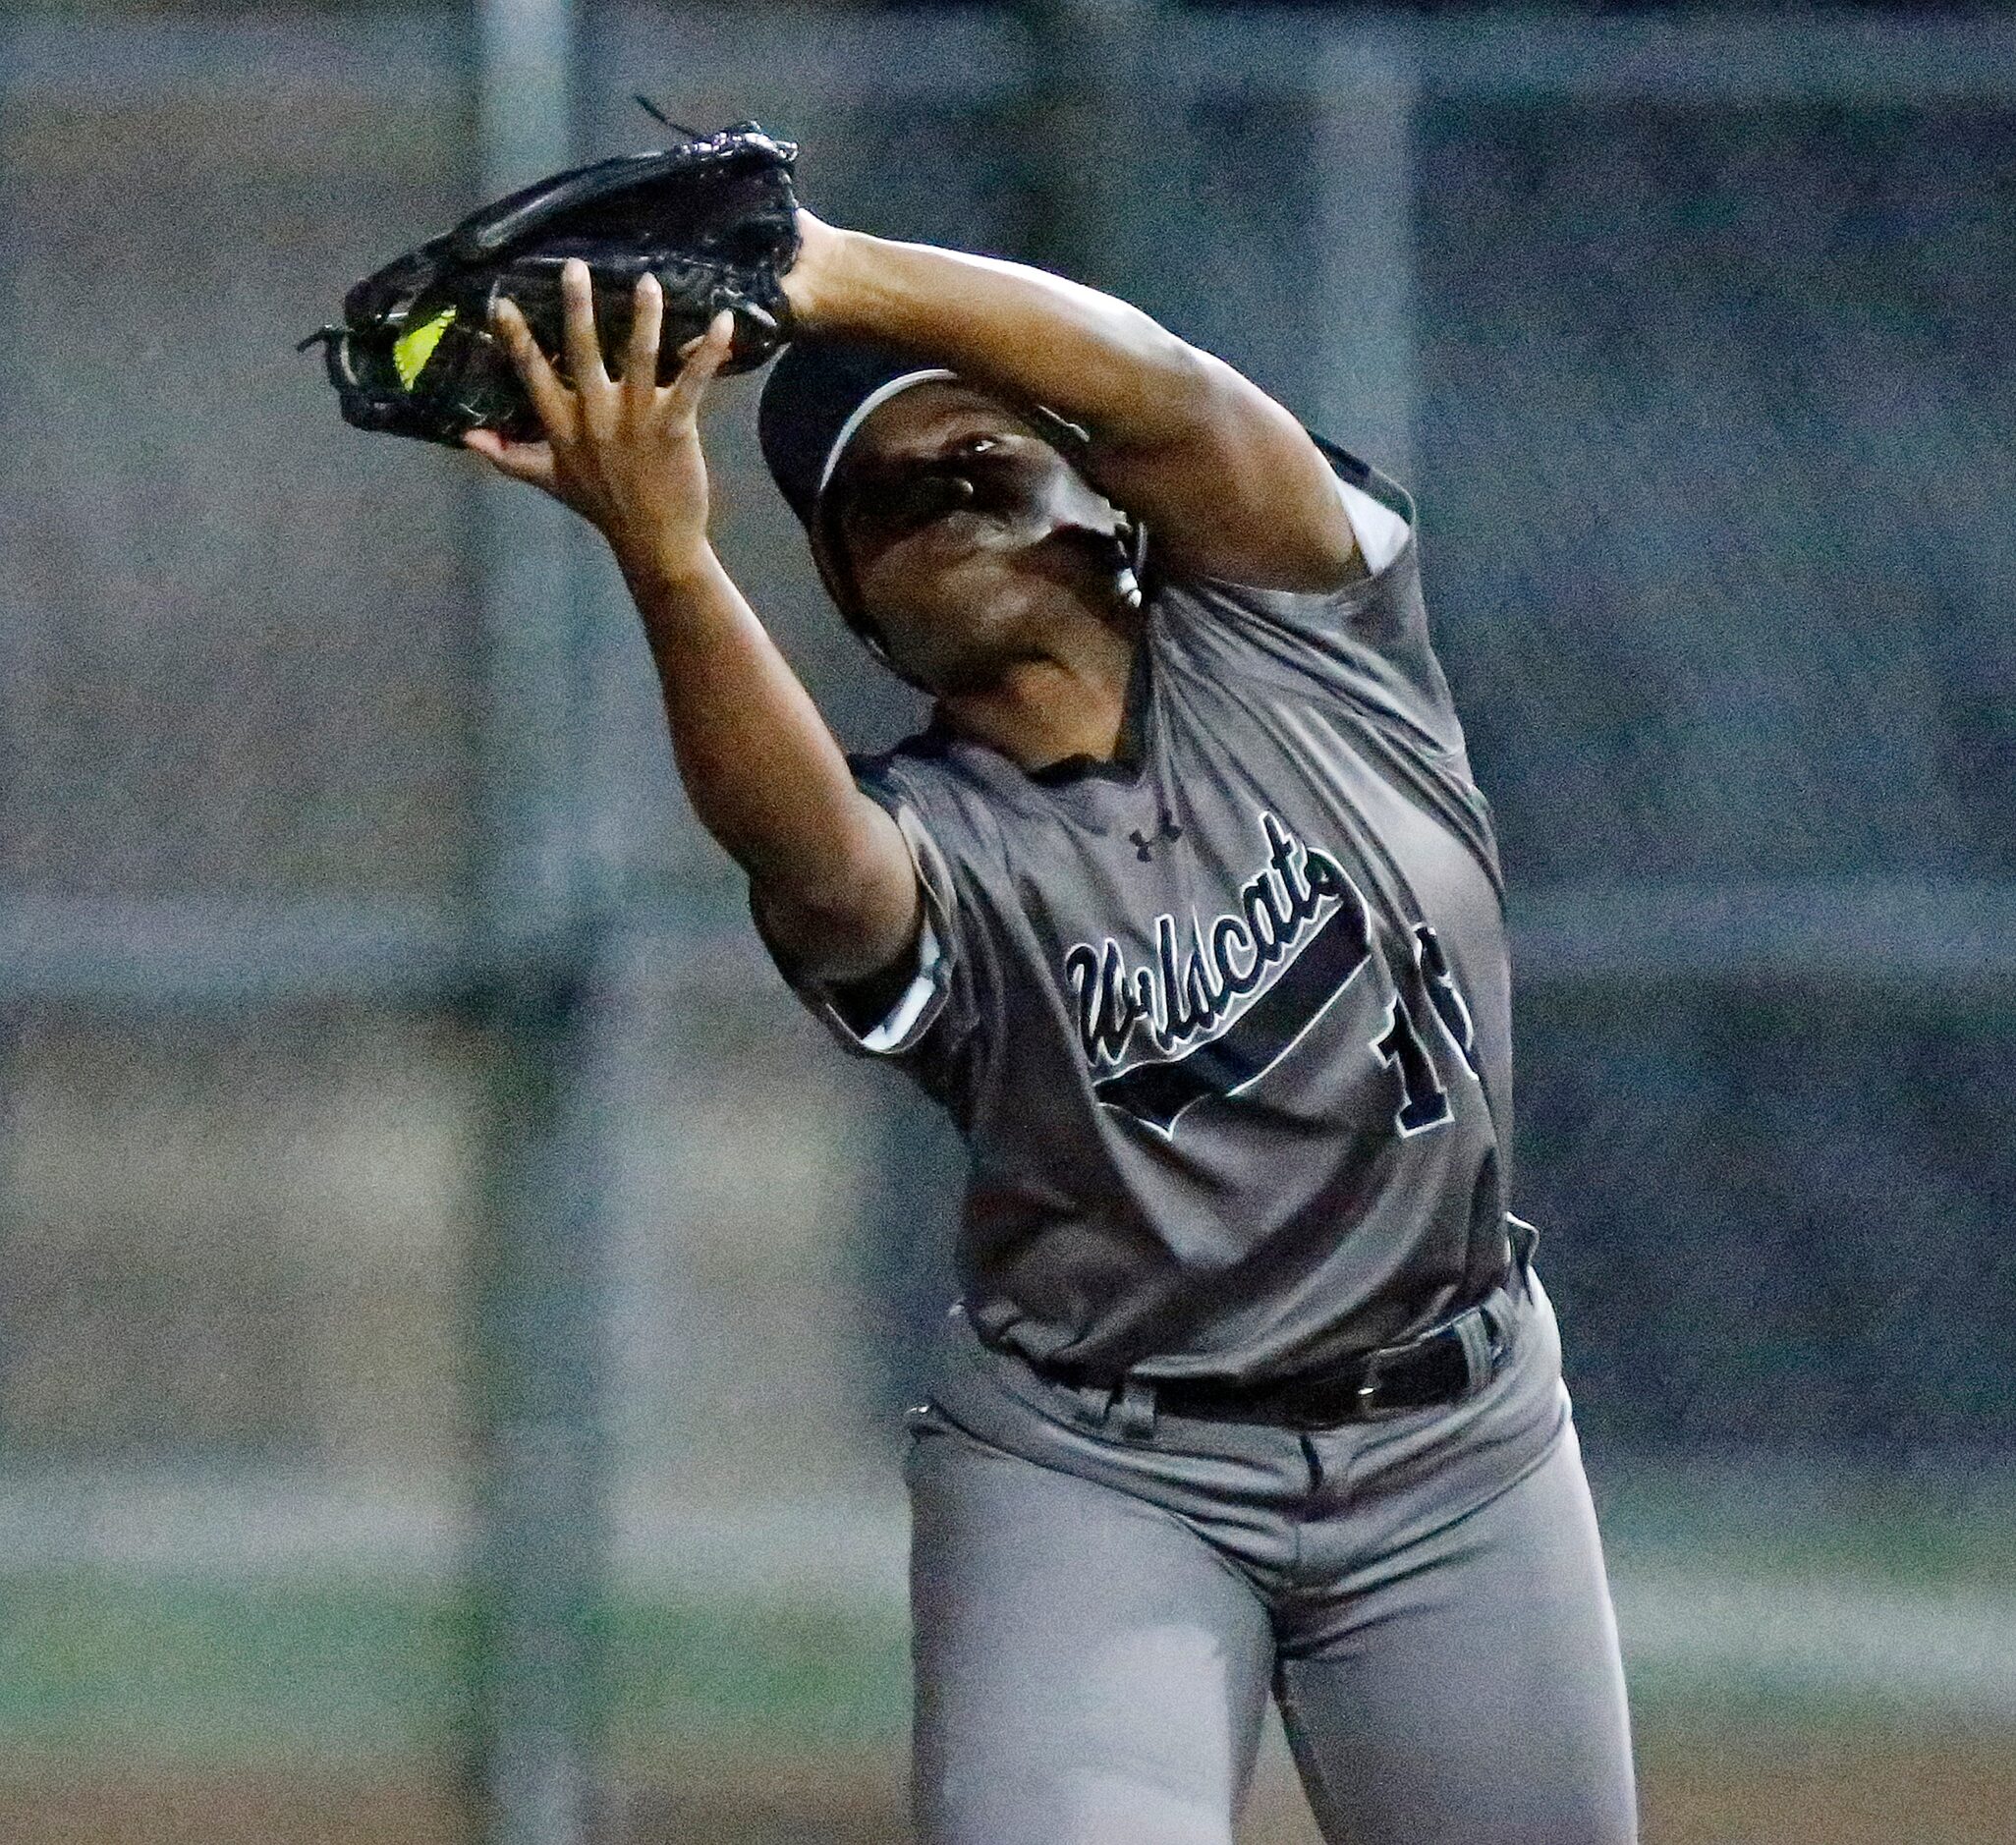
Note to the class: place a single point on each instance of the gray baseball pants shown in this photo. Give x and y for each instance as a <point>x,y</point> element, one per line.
<point>1103,1598</point>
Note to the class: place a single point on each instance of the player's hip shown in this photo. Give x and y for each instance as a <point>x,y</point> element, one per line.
<point>1254,1487</point>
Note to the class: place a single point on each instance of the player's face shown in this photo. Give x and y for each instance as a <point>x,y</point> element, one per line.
<point>968,535</point>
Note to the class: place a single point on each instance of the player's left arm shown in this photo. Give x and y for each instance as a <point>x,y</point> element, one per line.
<point>1226,477</point>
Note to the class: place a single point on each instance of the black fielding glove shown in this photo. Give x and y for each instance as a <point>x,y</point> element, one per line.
<point>714,219</point>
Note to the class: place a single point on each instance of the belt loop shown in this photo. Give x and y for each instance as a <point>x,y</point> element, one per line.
<point>1134,1408</point>
<point>1525,1239</point>
<point>1474,1332</point>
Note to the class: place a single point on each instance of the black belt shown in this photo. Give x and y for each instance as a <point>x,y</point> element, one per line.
<point>1449,1361</point>
<point>1452,1359</point>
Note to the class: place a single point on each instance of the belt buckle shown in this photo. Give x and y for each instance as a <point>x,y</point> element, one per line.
<point>1366,1397</point>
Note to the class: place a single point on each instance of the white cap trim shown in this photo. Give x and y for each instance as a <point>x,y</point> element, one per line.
<point>867,408</point>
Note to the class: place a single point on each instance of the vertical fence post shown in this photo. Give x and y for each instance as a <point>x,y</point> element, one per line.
<point>539,1553</point>
<point>1085,140</point>
<point>1361,387</point>
<point>541,1543</point>
<point>529,551</point>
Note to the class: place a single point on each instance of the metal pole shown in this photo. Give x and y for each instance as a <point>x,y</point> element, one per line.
<point>541,1543</point>
<point>1100,165</point>
<point>538,1563</point>
<point>532,551</point>
<point>1085,139</point>
<point>1363,386</point>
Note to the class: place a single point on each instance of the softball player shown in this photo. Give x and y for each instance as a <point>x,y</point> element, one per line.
<point>1186,908</point>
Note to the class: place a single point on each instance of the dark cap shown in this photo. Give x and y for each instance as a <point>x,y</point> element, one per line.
<point>814,398</point>
<point>817,394</point>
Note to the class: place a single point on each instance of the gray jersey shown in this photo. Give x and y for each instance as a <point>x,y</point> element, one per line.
<point>1225,1023</point>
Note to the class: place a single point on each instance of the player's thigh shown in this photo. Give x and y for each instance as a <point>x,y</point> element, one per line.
<point>1478,1697</point>
<point>1089,1671</point>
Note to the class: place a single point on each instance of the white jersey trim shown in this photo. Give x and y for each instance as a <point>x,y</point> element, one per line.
<point>1381,532</point>
<point>901,1019</point>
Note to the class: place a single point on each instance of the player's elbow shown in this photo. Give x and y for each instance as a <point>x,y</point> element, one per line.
<point>1172,390</point>
<point>1189,407</point>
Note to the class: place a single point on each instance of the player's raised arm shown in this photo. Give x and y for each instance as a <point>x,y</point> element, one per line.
<point>1226,479</point>
<point>762,770</point>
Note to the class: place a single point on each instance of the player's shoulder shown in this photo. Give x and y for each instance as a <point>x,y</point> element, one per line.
<point>912,762</point>
<point>1369,491</point>
<point>1384,519</point>
<point>919,772</point>
<point>1364,645</point>
<point>955,792</point>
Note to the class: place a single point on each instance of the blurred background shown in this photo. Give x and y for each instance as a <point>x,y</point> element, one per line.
<point>454,1308</point>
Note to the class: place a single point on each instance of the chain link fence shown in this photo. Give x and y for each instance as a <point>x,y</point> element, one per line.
<point>1690,335</point>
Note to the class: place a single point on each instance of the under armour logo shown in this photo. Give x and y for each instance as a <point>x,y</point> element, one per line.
<point>1145,844</point>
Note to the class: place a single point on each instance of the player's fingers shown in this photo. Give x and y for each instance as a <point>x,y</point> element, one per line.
<point>529,462</point>
<point>646,327</point>
<point>549,397</point>
<point>578,310</point>
<point>704,359</point>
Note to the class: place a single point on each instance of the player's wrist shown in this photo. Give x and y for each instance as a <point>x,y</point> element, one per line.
<point>815,281</point>
<point>667,571</point>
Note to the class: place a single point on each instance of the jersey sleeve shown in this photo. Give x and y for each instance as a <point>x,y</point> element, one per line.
<point>1365,641</point>
<point>921,1013</point>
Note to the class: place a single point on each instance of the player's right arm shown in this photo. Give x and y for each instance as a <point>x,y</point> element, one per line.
<point>828,869</point>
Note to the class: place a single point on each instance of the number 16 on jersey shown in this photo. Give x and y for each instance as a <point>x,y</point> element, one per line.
<point>1423,1101</point>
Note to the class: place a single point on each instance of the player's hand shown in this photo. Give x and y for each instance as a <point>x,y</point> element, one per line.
<point>625,453</point>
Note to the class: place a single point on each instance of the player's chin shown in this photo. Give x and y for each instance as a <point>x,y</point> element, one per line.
<point>956,610</point>
<point>970,651</point>
<point>958,661</point>
<point>960,630</point>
